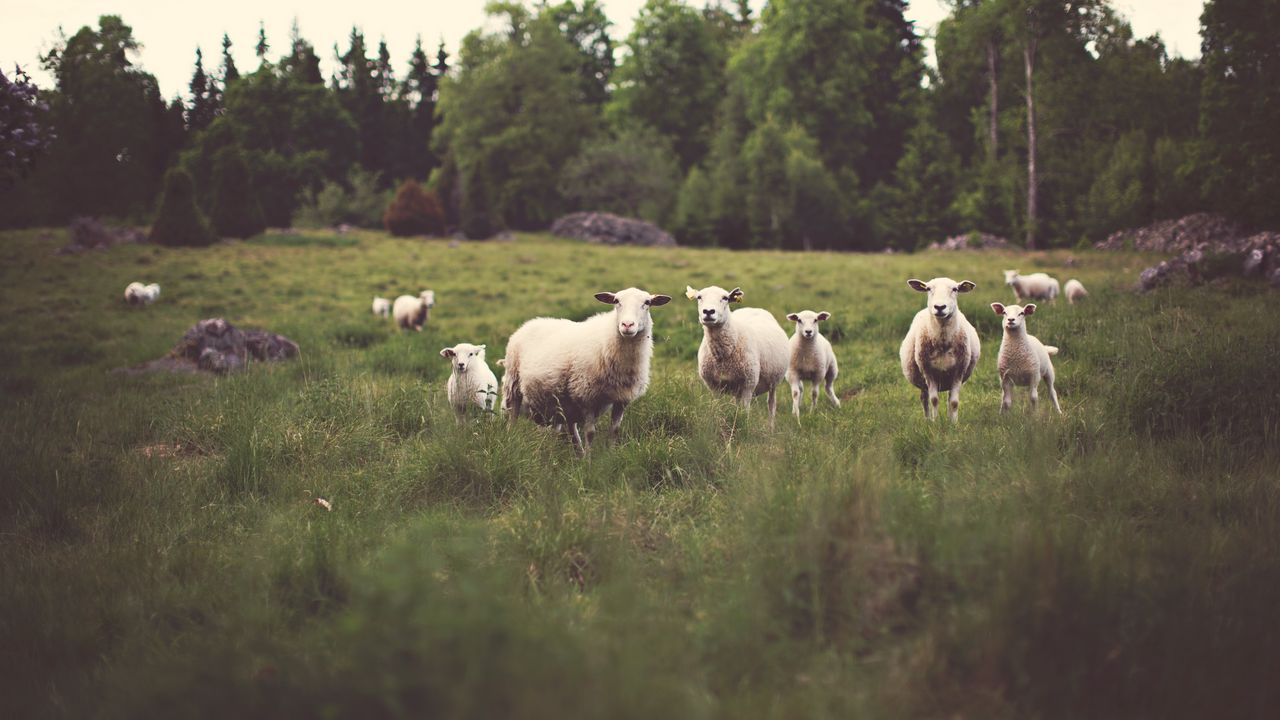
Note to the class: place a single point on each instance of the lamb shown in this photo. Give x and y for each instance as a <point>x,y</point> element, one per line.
<point>471,382</point>
<point>744,353</point>
<point>568,374</point>
<point>812,359</point>
<point>413,312</point>
<point>1074,290</point>
<point>1024,360</point>
<point>1036,286</point>
<point>941,349</point>
<point>382,307</point>
<point>135,293</point>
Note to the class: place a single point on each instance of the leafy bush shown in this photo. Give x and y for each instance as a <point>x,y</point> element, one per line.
<point>234,211</point>
<point>414,212</point>
<point>358,201</point>
<point>179,221</point>
<point>635,175</point>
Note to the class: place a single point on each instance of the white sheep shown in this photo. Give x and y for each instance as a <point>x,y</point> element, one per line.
<point>812,359</point>
<point>1036,286</point>
<point>135,293</point>
<point>941,349</point>
<point>744,352</point>
<point>1074,290</point>
<point>471,382</point>
<point>1024,360</point>
<point>567,374</point>
<point>413,312</point>
<point>382,307</point>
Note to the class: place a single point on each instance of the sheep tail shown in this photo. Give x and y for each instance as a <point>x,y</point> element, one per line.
<point>1052,350</point>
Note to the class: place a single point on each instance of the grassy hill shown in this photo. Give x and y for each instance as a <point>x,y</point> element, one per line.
<point>161,553</point>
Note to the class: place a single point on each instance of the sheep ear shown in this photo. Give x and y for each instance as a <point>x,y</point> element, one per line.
<point>966,286</point>
<point>998,308</point>
<point>1030,309</point>
<point>735,295</point>
<point>824,315</point>
<point>689,292</point>
<point>446,353</point>
<point>481,346</point>
<point>917,285</point>
<point>607,298</point>
<point>793,317</point>
<point>657,300</point>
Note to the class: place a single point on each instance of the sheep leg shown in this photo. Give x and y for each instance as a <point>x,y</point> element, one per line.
<point>1007,383</point>
<point>615,420</point>
<point>588,430</point>
<point>831,392</point>
<point>797,390</point>
<point>1035,396</point>
<point>773,404</point>
<point>953,402</point>
<point>575,437</point>
<point>1053,394</point>
<point>931,409</point>
<point>924,402</point>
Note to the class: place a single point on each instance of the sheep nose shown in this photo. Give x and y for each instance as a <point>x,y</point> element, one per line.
<point>708,311</point>
<point>462,366</point>
<point>808,333</point>
<point>939,308</point>
<point>628,325</point>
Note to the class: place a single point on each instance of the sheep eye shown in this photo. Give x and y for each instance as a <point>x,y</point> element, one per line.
<point>699,298</point>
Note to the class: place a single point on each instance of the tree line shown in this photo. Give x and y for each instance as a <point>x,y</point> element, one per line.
<point>817,124</point>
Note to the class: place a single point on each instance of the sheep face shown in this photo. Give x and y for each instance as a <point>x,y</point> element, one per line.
<point>1010,276</point>
<point>713,303</point>
<point>943,294</point>
<point>1015,316</point>
<point>807,322</point>
<point>631,309</point>
<point>462,355</point>
<point>428,298</point>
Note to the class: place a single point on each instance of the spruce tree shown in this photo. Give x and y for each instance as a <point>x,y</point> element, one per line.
<point>179,221</point>
<point>234,210</point>
<point>229,72</point>
<point>263,46</point>
<point>202,107</point>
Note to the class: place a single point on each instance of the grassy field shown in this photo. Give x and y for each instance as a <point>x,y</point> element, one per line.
<point>161,553</point>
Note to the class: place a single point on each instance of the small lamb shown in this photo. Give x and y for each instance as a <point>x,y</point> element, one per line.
<point>135,293</point>
<point>1024,360</point>
<point>941,349</point>
<point>743,352</point>
<point>471,382</point>
<point>1074,290</point>
<point>812,359</point>
<point>413,312</point>
<point>382,307</point>
<point>1036,286</point>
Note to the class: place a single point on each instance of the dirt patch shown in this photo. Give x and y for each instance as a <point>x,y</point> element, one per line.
<point>169,450</point>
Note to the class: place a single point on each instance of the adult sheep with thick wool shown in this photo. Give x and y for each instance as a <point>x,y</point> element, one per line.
<point>471,382</point>
<point>413,312</point>
<point>942,348</point>
<point>1036,286</point>
<point>567,373</point>
<point>135,293</point>
<point>744,352</point>
<point>812,359</point>
<point>1074,290</point>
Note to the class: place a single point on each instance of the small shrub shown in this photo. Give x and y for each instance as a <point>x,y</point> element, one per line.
<point>179,221</point>
<point>234,210</point>
<point>358,201</point>
<point>414,211</point>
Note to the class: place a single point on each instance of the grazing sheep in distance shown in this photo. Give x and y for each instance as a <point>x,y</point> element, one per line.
<point>471,382</point>
<point>1024,360</point>
<point>744,353</point>
<point>413,312</point>
<point>382,307</point>
<point>812,359</point>
<point>941,349</point>
<point>135,293</point>
<point>567,373</point>
<point>1074,290</point>
<point>1036,286</point>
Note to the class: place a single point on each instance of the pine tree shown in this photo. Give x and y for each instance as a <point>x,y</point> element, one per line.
<point>179,221</point>
<point>229,72</point>
<point>234,210</point>
<point>302,63</point>
<point>262,47</point>
<point>205,98</point>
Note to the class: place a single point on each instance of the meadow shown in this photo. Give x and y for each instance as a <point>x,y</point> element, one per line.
<point>162,554</point>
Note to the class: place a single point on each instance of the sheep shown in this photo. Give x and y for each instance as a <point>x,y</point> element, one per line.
<point>135,293</point>
<point>941,349</point>
<point>568,374</point>
<point>812,359</point>
<point>744,353</point>
<point>471,382</point>
<point>382,307</point>
<point>413,312</point>
<point>1074,290</point>
<point>1036,286</point>
<point>1024,360</point>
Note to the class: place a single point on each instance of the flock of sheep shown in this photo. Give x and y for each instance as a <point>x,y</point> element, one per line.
<point>569,374</point>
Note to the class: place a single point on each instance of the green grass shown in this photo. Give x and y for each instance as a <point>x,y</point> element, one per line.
<point>161,553</point>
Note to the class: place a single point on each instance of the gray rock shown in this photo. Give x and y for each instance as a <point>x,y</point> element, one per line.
<point>609,229</point>
<point>217,346</point>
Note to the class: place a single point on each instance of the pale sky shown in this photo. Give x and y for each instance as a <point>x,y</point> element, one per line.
<point>169,31</point>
